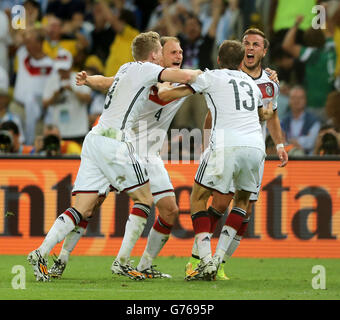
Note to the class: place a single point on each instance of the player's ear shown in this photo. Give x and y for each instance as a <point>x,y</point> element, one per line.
<point>218,60</point>
<point>265,52</point>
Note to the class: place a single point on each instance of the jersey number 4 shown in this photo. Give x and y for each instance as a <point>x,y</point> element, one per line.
<point>158,114</point>
<point>250,92</point>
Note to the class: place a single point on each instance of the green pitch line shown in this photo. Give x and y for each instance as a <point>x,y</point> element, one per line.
<point>251,279</point>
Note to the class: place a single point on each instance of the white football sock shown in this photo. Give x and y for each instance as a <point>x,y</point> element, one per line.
<point>203,244</point>
<point>133,230</point>
<point>224,241</point>
<point>232,248</point>
<point>156,241</point>
<point>70,242</point>
<point>62,226</point>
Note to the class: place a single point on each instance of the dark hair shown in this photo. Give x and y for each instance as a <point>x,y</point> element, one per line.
<point>231,54</point>
<point>259,33</point>
<point>314,38</point>
<point>10,126</point>
<point>329,144</point>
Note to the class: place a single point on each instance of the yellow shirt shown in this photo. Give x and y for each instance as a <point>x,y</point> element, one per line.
<point>120,51</point>
<point>51,49</point>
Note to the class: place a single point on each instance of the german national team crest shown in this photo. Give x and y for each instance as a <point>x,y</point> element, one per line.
<point>267,89</point>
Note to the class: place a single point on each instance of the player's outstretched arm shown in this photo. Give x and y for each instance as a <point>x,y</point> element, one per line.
<point>180,75</point>
<point>96,82</point>
<point>166,92</point>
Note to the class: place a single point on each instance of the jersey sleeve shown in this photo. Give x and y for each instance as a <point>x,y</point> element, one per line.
<point>276,95</point>
<point>149,73</point>
<point>202,83</point>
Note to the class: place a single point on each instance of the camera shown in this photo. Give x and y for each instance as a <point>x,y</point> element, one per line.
<point>51,145</point>
<point>6,141</point>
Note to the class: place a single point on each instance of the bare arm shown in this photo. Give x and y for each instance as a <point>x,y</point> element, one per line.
<point>289,43</point>
<point>96,82</point>
<point>216,13</point>
<point>179,75</point>
<point>166,92</point>
<point>274,128</point>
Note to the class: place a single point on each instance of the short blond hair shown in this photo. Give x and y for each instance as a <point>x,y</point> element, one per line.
<point>144,44</point>
<point>166,39</point>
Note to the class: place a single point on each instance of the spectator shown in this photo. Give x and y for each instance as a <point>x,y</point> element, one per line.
<point>300,126</point>
<point>283,13</point>
<point>319,58</point>
<point>327,142</point>
<point>11,136</point>
<point>33,69</point>
<point>102,35</point>
<point>227,27</point>
<point>5,41</point>
<point>65,102</point>
<point>51,144</point>
<point>333,110</point>
<point>55,40</point>
<point>65,9</point>
<point>6,115</point>
<point>197,53</point>
<point>124,25</point>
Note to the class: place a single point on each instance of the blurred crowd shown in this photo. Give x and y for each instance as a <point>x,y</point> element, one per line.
<point>42,48</point>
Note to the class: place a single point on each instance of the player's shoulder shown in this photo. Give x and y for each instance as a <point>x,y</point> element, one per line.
<point>265,80</point>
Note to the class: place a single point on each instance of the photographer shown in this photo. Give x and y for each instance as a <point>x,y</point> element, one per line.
<point>51,144</point>
<point>10,139</point>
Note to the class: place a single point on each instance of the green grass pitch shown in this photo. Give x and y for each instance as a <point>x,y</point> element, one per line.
<point>90,278</point>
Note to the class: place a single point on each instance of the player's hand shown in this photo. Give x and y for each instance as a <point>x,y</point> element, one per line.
<point>81,78</point>
<point>273,75</point>
<point>283,157</point>
<point>164,86</point>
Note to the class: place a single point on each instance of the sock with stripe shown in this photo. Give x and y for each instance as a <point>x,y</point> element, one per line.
<point>229,230</point>
<point>158,236</point>
<point>214,217</point>
<point>201,224</point>
<point>236,241</point>
<point>62,226</point>
<point>71,240</point>
<point>133,230</point>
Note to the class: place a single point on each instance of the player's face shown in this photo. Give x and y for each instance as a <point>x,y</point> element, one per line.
<point>254,51</point>
<point>172,54</point>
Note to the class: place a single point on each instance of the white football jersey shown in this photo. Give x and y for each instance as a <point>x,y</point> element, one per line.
<point>233,99</point>
<point>153,123</point>
<point>270,91</point>
<point>127,96</point>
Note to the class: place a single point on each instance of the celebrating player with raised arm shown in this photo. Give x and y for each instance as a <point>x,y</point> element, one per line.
<point>236,149</point>
<point>107,153</point>
<point>256,47</point>
<point>150,130</point>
